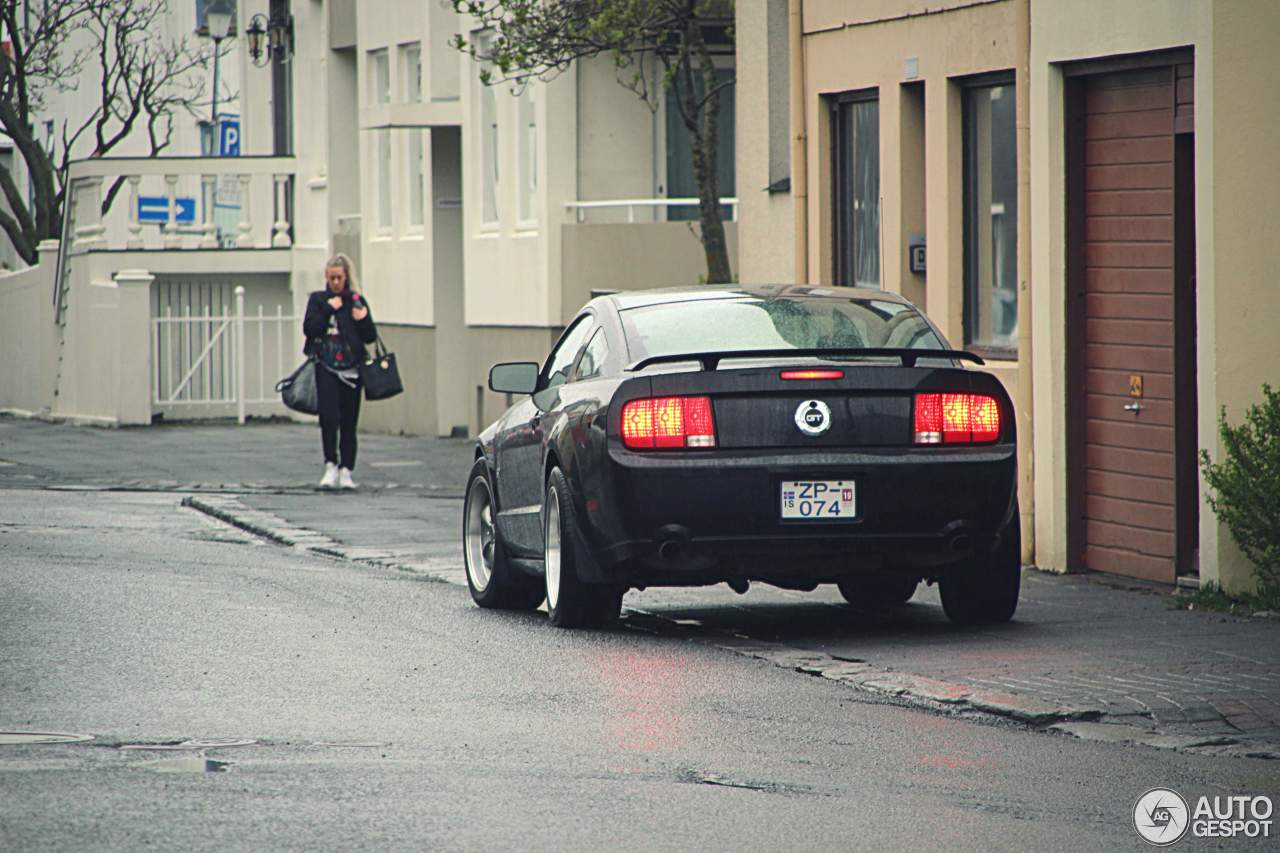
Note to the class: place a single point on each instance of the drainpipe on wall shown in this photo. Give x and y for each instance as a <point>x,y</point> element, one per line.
<point>799,152</point>
<point>1026,446</point>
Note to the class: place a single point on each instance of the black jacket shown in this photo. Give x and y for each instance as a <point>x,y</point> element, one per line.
<point>355,333</point>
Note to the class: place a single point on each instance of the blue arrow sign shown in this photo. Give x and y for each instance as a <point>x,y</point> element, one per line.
<point>155,208</point>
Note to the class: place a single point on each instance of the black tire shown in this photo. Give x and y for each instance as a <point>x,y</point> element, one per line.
<point>571,602</point>
<point>490,577</point>
<point>879,591</point>
<point>984,591</point>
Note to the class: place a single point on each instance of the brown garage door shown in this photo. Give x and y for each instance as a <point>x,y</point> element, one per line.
<point>1129,470</point>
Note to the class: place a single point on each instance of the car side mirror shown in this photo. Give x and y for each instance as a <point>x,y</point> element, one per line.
<point>514,377</point>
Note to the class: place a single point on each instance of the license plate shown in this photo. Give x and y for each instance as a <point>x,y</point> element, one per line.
<point>819,500</point>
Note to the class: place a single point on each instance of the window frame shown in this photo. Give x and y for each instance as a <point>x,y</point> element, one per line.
<point>544,376</point>
<point>971,302</point>
<point>843,223</point>
<point>379,60</point>
<point>527,158</point>
<point>407,51</point>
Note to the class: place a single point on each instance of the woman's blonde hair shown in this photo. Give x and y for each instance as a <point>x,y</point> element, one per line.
<point>341,260</point>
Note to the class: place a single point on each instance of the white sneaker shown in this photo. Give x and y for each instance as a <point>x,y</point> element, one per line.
<point>330,478</point>
<point>344,479</point>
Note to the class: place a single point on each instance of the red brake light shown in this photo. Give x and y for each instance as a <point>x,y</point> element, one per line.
<point>812,374</point>
<point>956,419</point>
<point>658,422</point>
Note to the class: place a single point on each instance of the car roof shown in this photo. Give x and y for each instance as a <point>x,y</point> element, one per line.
<point>627,299</point>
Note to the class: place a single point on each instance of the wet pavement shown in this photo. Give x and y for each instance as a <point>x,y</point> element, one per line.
<point>1101,658</point>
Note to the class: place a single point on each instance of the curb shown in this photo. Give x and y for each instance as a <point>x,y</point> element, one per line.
<point>1085,723</point>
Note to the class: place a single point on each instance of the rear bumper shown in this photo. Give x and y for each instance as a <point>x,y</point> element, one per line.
<point>690,518</point>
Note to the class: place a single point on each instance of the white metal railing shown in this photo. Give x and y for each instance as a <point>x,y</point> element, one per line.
<point>654,204</point>
<point>202,360</point>
<point>229,184</point>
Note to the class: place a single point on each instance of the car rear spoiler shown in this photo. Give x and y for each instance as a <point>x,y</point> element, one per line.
<point>710,360</point>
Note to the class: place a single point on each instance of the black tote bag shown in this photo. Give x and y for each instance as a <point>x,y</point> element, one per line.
<point>380,375</point>
<point>298,389</point>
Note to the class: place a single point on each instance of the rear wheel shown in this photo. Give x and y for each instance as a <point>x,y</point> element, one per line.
<point>885,591</point>
<point>571,603</point>
<point>490,577</point>
<point>984,590</point>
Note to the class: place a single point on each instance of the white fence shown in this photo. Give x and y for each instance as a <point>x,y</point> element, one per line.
<point>220,358</point>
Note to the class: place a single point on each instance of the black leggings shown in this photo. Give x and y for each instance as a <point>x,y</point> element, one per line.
<point>339,410</point>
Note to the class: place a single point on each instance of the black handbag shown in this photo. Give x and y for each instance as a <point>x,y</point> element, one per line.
<point>380,374</point>
<point>298,389</point>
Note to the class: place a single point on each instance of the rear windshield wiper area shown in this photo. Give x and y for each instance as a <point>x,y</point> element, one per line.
<point>711,360</point>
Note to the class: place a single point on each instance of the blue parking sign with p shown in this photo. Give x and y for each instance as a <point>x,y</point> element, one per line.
<point>229,138</point>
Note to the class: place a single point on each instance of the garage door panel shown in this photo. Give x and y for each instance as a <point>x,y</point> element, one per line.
<point>1144,176</point>
<point>1124,537</point>
<point>1132,124</point>
<point>1125,306</point>
<point>1115,383</point>
<point>1129,255</point>
<point>1128,281</point>
<point>1154,149</point>
<point>1128,434</point>
<point>1148,516</point>
<point>1129,202</point>
<point>1107,408</point>
<point>1129,487</point>
<point>1125,460</point>
<point>1130,332</point>
<point>1127,98</point>
<point>1128,563</point>
<point>1128,229</point>
<point>1131,358</point>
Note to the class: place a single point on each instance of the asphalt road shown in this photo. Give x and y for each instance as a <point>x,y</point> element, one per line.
<point>387,712</point>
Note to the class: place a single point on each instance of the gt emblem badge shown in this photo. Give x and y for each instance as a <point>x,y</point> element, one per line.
<point>813,417</point>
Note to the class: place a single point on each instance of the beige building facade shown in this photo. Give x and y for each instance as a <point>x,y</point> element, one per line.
<point>1075,190</point>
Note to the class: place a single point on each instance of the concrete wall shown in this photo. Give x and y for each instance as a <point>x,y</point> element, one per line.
<point>766,220</point>
<point>488,346</point>
<point>1238,284</point>
<point>1061,32</point>
<point>633,257</point>
<point>414,411</point>
<point>28,337</point>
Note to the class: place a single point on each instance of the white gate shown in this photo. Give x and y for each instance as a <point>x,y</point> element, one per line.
<point>205,363</point>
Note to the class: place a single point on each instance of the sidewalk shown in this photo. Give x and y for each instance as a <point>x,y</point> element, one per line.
<point>1089,655</point>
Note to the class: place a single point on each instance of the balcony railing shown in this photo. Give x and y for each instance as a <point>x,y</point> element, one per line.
<point>580,208</point>
<point>168,203</point>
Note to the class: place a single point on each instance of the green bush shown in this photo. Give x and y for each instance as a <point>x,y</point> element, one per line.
<point>1245,486</point>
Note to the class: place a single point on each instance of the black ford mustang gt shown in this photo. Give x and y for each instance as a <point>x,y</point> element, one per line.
<point>790,435</point>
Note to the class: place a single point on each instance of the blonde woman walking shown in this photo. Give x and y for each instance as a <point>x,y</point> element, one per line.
<point>337,326</point>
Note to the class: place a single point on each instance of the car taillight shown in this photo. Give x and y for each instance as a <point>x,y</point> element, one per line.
<point>659,422</point>
<point>812,374</point>
<point>956,419</point>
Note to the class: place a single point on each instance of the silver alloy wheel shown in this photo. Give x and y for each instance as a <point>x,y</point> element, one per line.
<point>551,552</point>
<point>481,537</point>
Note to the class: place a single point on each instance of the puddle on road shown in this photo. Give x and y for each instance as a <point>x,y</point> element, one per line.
<point>18,738</point>
<point>198,743</point>
<point>187,764</point>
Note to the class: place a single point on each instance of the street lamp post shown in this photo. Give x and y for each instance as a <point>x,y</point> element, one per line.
<point>218,18</point>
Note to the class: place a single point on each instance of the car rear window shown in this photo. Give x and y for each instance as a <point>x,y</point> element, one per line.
<point>750,323</point>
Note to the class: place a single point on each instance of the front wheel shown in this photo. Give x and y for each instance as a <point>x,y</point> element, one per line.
<point>984,590</point>
<point>490,577</point>
<point>571,603</point>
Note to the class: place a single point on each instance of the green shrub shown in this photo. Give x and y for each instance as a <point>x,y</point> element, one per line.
<point>1244,487</point>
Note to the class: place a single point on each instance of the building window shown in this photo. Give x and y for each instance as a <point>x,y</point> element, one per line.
<point>528,117</point>
<point>681,182</point>
<point>379,77</point>
<point>412,61</point>
<point>488,139</point>
<point>991,217</point>
<point>382,139</point>
<point>414,159</point>
<point>855,131</point>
